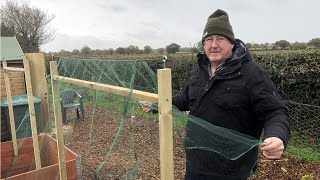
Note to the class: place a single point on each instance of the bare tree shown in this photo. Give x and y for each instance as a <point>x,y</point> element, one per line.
<point>31,25</point>
<point>5,31</point>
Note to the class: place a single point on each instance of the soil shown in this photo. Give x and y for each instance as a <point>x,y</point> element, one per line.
<point>138,149</point>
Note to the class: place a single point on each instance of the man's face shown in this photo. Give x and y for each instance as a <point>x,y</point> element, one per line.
<point>217,48</point>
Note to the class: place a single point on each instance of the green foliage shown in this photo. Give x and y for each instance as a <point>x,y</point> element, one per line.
<point>315,42</point>
<point>249,45</point>
<point>133,50</point>
<point>76,51</point>
<point>299,45</point>
<point>200,46</point>
<point>147,49</point>
<point>160,50</point>
<point>106,100</point>
<point>304,144</point>
<point>110,51</point>
<point>194,49</point>
<point>120,50</point>
<point>294,73</point>
<point>85,50</point>
<point>304,153</point>
<point>282,43</point>
<point>181,66</point>
<point>172,48</point>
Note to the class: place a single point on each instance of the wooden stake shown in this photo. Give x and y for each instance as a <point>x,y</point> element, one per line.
<point>10,108</point>
<point>165,124</point>
<point>58,120</point>
<point>40,88</point>
<point>13,69</point>
<point>93,79</point>
<point>32,113</point>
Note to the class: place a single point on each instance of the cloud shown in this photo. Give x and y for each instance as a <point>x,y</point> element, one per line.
<point>120,23</point>
<point>69,43</point>
<point>145,35</point>
<point>115,8</point>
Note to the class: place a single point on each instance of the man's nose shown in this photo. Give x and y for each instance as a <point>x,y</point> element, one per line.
<point>214,43</point>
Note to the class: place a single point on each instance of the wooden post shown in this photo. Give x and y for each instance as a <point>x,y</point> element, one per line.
<point>58,119</point>
<point>136,94</point>
<point>10,108</point>
<point>165,124</point>
<point>32,113</point>
<point>40,87</point>
<point>93,79</point>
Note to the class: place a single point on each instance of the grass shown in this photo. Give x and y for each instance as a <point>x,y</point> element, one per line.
<point>299,149</point>
<point>115,102</point>
<point>304,153</point>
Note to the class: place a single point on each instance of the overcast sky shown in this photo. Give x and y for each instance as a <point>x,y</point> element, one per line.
<point>103,24</point>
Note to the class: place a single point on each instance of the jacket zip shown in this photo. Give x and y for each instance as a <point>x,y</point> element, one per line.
<point>209,78</point>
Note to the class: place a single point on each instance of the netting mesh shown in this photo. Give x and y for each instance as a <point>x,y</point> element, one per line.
<point>114,139</point>
<point>118,140</point>
<point>137,75</point>
<point>305,135</point>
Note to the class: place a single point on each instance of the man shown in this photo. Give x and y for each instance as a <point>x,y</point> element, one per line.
<point>229,90</point>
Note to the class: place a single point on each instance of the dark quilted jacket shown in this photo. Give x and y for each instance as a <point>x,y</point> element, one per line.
<point>240,97</point>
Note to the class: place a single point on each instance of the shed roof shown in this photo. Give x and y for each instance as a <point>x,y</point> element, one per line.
<point>10,49</point>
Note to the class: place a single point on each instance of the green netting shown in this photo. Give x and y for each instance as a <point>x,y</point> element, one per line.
<point>137,75</point>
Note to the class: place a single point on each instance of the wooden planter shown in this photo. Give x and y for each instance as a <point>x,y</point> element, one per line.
<point>22,167</point>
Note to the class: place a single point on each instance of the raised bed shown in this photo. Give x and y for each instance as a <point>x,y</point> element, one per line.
<point>22,167</point>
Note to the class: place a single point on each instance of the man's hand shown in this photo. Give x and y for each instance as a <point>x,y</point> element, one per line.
<point>272,148</point>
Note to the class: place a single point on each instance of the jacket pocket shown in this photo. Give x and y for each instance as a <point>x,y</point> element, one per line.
<point>195,86</point>
<point>233,96</point>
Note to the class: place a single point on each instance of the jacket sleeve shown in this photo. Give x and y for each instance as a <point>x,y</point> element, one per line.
<point>181,101</point>
<point>269,107</point>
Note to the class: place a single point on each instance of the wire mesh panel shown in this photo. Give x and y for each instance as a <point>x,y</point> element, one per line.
<point>305,132</point>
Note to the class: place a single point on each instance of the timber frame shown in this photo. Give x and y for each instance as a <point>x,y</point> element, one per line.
<point>23,76</point>
<point>26,70</point>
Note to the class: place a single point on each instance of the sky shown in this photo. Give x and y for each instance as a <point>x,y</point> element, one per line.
<point>103,24</point>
